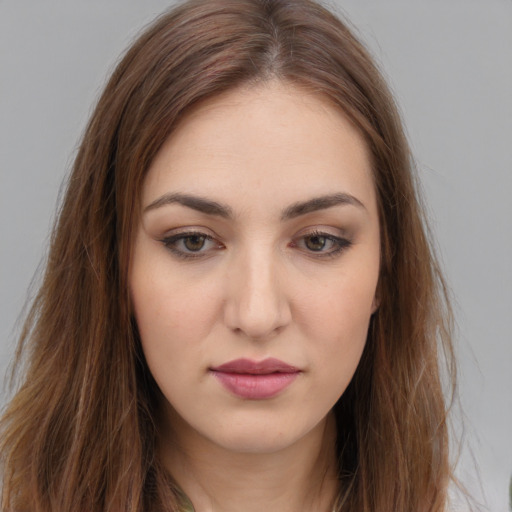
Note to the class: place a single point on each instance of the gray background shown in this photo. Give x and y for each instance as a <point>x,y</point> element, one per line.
<point>449,64</point>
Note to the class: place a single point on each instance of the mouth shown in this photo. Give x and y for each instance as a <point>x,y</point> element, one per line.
<point>255,380</point>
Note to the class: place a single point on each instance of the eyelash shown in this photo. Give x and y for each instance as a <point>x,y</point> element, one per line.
<point>340,244</point>
<point>171,242</point>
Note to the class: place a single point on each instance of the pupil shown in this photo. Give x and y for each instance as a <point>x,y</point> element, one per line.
<point>194,242</point>
<point>315,243</point>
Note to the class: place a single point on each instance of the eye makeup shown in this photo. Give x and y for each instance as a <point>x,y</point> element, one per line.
<point>320,244</point>
<point>191,244</point>
<point>195,244</point>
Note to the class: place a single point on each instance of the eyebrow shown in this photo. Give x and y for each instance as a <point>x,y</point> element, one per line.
<point>200,204</point>
<point>210,207</point>
<point>320,203</point>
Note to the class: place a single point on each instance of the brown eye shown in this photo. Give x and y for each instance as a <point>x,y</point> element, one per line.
<point>321,245</point>
<point>194,243</point>
<point>315,242</point>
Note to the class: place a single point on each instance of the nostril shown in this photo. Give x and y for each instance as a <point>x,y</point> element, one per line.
<point>256,303</point>
<point>257,319</point>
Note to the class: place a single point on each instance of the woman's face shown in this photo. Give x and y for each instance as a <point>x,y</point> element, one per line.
<point>255,267</point>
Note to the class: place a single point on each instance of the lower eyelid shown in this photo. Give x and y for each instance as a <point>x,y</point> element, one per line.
<point>340,244</point>
<point>340,248</point>
<point>170,242</point>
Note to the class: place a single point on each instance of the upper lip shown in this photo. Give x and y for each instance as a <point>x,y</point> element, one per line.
<point>248,366</point>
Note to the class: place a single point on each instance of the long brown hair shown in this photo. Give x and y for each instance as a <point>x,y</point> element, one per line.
<point>79,434</point>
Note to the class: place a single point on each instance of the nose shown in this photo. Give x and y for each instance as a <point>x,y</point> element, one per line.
<point>257,305</point>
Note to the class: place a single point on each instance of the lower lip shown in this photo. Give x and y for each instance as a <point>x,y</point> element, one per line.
<point>255,387</point>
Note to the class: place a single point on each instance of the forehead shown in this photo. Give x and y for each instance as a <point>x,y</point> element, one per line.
<point>265,143</point>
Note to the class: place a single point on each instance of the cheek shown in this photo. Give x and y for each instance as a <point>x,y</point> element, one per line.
<point>173,317</point>
<point>341,307</point>
<point>169,333</point>
<point>336,320</point>
<point>164,298</point>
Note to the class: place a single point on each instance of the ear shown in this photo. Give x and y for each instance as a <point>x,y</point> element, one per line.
<point>375,303</point>
<point>376,298</point>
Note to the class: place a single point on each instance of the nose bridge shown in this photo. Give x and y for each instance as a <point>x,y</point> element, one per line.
<point>256,303</point>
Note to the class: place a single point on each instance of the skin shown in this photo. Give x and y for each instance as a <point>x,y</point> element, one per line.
<point>263,285</point>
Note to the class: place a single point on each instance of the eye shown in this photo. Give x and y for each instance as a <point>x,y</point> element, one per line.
<point>321,244</point>
<point>193,244</point>
<point>316,242</point>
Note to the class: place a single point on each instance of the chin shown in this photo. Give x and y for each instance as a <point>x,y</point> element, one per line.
<point>256,442</point>
<point>257,436</point>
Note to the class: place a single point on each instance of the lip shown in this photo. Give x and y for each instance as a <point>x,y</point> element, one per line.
<point>255,380</point>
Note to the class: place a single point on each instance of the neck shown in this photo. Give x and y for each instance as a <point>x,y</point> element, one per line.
<point>301,477</point>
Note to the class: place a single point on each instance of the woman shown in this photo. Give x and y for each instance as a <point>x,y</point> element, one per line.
<point>241,309</point>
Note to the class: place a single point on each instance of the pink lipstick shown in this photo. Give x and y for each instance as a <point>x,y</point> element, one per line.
<point>255,380</point>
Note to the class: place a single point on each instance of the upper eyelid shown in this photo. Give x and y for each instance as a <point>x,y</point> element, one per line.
<point>341,242</point>
<point>189,230</point>
<point>329,236</point>
<point>339,236</point>
<point>168,242</point>
<point>313,232</point>
<point>308,231</point>
<point>186,234</point>
<point>323,229</point>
